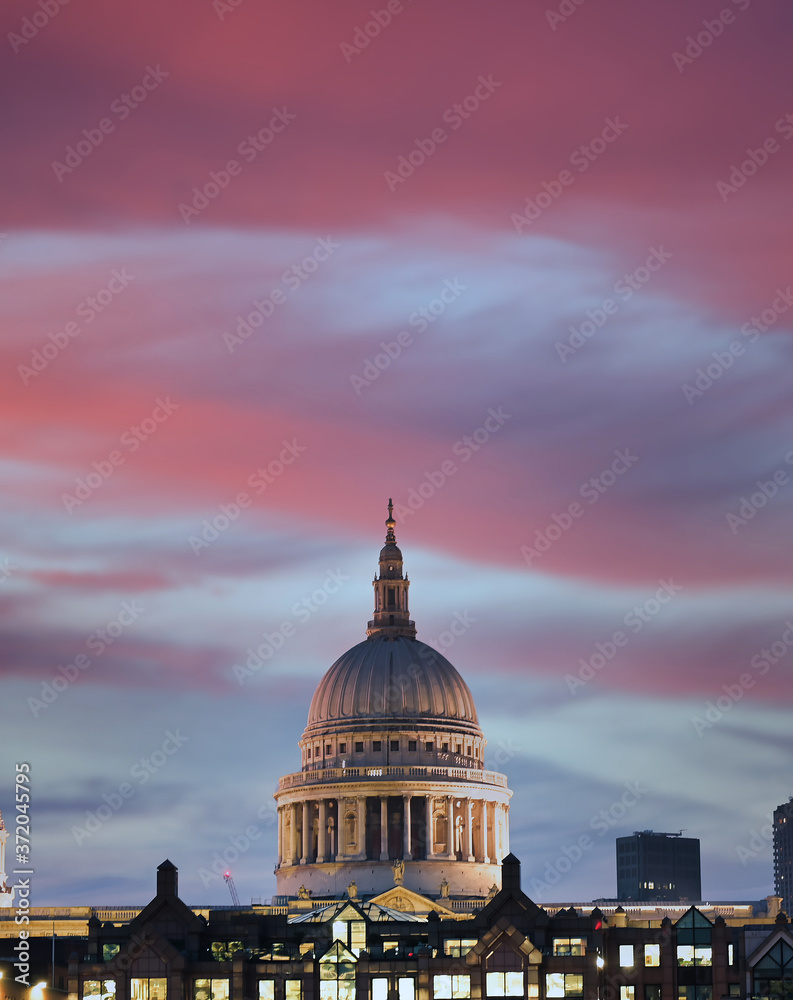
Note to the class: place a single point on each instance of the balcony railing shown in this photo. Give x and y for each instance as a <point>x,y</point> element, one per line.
<point>374,772</point>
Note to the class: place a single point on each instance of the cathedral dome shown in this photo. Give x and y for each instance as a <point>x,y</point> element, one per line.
<point>394,680</point>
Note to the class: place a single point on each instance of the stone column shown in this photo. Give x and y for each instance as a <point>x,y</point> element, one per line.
<point>361,826</point>
<point>322,831</point>
<point>469,818</point>
<point>293,858</point>
<point>485,839</point>
<point>450,829</point>
<point>406,827</point>
<point>384,828</point>
<point>429,829</point>
<point>306,832</point>
<point>506,830</point>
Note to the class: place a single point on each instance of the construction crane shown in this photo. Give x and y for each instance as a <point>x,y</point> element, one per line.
<point>232,888</point>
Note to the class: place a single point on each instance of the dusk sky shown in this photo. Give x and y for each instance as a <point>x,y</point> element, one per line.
<point>525,269</point>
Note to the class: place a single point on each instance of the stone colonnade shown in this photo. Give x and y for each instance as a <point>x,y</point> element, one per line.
<point>353,826</point>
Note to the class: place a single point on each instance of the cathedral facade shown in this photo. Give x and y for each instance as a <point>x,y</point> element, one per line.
<point>392,787</point>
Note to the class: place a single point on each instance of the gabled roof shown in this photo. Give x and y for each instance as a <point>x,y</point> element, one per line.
<point>368,911</point>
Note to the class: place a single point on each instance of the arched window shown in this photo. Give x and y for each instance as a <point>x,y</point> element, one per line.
<point>337,974</point>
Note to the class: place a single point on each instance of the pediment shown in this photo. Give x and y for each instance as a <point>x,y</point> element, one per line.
<point>405,900</point>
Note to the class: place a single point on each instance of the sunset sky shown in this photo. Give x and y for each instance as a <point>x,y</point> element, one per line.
<point>525,269</point>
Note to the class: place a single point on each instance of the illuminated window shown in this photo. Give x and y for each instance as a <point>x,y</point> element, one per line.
<point>730,954</point>
<point>211,989</point>
<point>458,947</point>
<point>569,946</point>
<point>337,974</point>
<point>293,989</point>
<point>451,987</point>
<point>504,984</point>
<point>626,956</point>
<point>266,989</point>
<point>735,989</point>
<point>627,992</point>
<point>689,954</point>
<point>652,991</point>
<point>406,988</point>
<point>380,988</point>
<point>109,951</point>
<point>563,984</point>
<point>148,989</point>
<point>652,955</point>
<point>101,989</point>
<point>394,744</point>
<point>377,745</point>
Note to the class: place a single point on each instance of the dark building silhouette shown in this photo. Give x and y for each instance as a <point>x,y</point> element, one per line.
<point>658,866</point>
<point>783,854</point>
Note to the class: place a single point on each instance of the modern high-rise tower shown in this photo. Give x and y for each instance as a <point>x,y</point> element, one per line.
<point>392,788</point>
<point>783,854</point>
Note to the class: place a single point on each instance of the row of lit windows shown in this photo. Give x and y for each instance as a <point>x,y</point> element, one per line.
<point>498,984</point>
<point>687,954</point>
<point>377,746</point>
